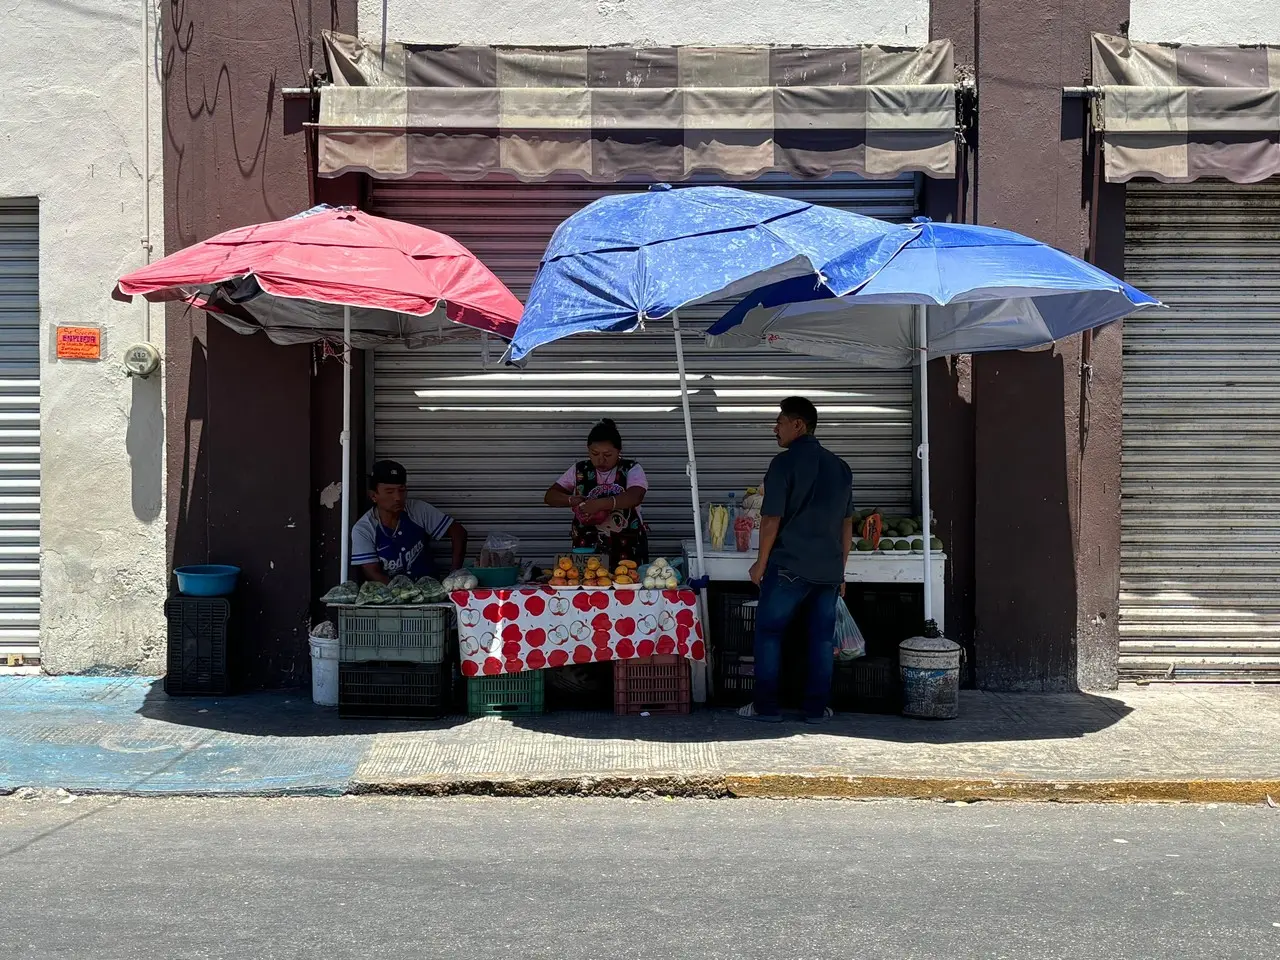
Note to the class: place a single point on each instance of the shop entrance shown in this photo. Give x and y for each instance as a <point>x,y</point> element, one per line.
<point>1200,544</point>
<point>19,429</point>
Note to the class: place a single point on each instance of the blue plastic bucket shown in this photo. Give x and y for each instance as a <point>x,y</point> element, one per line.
<point>207,580</point>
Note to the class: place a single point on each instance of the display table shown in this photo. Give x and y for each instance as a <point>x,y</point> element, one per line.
<point>733,566</point>
<point>532,628</point>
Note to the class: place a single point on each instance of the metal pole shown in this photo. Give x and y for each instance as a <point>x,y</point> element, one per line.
<point>922,340</point>
<point>691,467</point>
<point>346,444</point>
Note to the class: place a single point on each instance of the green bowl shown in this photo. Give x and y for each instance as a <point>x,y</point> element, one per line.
<point>492,577</point>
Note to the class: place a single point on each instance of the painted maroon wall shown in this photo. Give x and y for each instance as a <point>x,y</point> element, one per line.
<point>239,425</point>
<point>1043,523</point>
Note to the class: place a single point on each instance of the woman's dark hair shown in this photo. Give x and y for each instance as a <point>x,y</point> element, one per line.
<point>606,431</point>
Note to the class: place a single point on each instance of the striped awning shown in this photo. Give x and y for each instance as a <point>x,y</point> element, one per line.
<point>664,112</point>
<point>1179,113</point>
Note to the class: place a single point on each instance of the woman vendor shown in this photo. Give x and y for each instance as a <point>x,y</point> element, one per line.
<point>605,492</point>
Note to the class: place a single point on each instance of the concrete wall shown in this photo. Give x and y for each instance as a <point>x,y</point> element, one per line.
<point>1193,21</point>
<point>73,136</point>
<point>647,22</point>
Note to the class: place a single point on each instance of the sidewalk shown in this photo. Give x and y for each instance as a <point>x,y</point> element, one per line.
<point>123,735</point>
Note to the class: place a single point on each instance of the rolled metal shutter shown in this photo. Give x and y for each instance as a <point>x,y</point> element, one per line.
<point>484,442</point>
<point>1200,488</point>
<point>19,428</point>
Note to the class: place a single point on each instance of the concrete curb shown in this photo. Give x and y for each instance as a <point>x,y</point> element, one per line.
<point>827,786</point>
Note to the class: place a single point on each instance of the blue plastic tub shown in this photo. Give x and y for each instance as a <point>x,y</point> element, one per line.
<point>207,580</point>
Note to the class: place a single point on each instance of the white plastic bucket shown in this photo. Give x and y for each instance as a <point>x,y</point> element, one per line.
<point>324,671</point>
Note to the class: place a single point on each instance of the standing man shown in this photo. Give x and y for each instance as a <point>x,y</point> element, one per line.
<point>806,531</point>
<point>394,537</point>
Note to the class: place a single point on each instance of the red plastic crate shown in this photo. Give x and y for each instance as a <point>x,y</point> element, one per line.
<point>658,684</point>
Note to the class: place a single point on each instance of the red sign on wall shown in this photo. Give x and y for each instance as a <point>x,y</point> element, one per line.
<point>79,343</point>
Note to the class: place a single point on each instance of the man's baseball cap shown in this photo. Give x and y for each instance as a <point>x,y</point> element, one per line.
<point>387,471</point>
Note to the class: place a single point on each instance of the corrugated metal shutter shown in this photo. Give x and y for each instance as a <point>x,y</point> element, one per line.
<point>19,428</point>
<point>484,442</point>
<point>1200,554</point>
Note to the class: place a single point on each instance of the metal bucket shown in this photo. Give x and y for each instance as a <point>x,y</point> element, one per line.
<point>930,669</point>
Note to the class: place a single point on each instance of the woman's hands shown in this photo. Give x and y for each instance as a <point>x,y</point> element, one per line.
<point>589,508</point>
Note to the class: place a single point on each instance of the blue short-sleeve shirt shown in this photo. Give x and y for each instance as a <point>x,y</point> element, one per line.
<point>404,550</point>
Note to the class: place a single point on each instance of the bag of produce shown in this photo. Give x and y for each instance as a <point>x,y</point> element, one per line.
<point>462,579</point>
<point>405,590</point>
<point>432,590</point>
<point>500,550</point>
<point>849,642</point>
<point>345,592</point>
<point>375,594</point>
<point>325,631</point>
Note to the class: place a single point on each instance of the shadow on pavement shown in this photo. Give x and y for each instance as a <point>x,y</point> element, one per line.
<point>984,718</point>
<point>272,713</point>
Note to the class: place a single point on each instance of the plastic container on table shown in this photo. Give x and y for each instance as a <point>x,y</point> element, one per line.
<point>493,577</point>
<point>207,580</point>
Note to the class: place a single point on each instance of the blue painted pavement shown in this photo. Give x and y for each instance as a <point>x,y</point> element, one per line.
<point>124,735</point>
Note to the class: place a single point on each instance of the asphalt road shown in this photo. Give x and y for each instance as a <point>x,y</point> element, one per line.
<point>380,879</point>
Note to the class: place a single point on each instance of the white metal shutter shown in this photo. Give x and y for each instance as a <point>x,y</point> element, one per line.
<point>1200,547</point>
<point>19,428</point>
<point>484,442</point>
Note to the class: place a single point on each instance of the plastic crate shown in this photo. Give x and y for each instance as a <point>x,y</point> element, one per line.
<point>199,634</point>
<point>394,634</point>
<point>403,691</point>
<point>509,695</point>
<point>658,684</point>
<point>867,685</point>
<point>733,622</point>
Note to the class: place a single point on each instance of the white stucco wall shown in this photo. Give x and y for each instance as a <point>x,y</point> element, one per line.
<point>71,134</point>
<point>1194,21</point>
<point>647,22</point>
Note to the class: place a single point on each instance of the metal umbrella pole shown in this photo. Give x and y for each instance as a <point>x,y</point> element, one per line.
<point>697,676</point>
<point>346,444</point>
<point>922,341</point>
<point>691,467</point>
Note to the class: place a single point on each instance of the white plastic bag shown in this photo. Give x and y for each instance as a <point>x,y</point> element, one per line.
<point>849,642</point>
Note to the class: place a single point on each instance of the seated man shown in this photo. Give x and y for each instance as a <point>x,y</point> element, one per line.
<point>394,537</point>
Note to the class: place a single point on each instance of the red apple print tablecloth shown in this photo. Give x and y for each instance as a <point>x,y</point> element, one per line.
<point>531,628</point>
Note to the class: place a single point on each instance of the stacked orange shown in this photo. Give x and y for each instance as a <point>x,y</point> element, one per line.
<point>628,573</point>
<point>596,574</point>
<point>565,574</point>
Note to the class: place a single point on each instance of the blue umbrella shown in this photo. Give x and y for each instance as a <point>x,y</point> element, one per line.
<point>633,257</point>
<point>954,288</point>
<point>630,257</point>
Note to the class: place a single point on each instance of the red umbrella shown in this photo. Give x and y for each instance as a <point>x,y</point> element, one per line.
<point>334,274</point>
<point>292,278</point>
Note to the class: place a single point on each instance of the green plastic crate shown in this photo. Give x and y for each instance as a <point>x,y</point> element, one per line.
<point>394,634</point>
<point>510,695</point>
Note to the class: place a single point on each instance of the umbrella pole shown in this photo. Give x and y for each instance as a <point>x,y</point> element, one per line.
<point>691,467</point>
<point>698,675</point>
<point>922,340</point>
<point>346,444</point>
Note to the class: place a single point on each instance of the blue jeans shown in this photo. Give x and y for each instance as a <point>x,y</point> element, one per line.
<point>782,597</point>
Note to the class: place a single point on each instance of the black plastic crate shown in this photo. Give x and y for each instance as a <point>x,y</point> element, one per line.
<point>886,614</point>
<point>200,631</point>
<point>867,685</point>
<point>396,691</point>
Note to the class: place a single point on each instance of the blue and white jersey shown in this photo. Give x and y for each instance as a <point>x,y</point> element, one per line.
<point>404,549</point>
